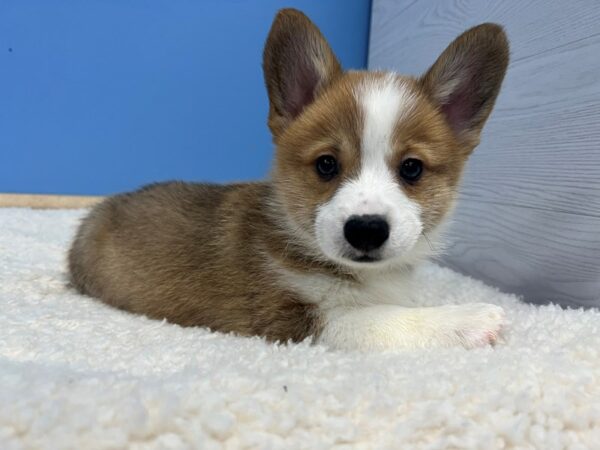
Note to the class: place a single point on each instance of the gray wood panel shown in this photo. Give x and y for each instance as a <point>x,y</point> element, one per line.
<point>528,220</point>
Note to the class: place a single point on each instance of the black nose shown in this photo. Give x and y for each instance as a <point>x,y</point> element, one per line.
<point>366,232</point>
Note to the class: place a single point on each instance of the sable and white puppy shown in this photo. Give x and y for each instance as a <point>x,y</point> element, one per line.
<point>366,170</point>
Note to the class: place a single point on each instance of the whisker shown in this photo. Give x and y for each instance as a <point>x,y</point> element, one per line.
<point>428,241</point>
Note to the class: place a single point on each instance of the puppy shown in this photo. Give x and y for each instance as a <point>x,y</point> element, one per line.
<point>366,169</point>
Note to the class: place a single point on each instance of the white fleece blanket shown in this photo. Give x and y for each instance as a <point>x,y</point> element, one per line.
<point>77,374</point>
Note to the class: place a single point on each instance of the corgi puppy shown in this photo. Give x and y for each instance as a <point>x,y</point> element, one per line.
<point>366,170</point>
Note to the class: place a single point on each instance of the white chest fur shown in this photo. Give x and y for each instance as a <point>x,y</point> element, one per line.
<point>329,292</point>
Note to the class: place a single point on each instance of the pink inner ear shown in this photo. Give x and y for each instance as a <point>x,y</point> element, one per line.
<point>301,89</point>
<point>466,99</point>
<point>460,108</point>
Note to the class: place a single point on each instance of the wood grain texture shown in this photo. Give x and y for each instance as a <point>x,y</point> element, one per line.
<point>38,201</point>
<point>529,216</point>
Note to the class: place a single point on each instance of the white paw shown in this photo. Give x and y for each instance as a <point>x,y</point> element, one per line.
<point>471,325</point>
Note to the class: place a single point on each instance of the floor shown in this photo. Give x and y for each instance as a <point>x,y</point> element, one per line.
<point>38,201</point>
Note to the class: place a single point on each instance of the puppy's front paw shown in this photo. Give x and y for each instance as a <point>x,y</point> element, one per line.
<point>477,324</point>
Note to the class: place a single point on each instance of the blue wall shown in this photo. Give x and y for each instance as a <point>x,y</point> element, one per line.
<point>100,96</point>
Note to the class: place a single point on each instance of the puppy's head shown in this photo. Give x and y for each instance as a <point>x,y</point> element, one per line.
<point>367,163</point>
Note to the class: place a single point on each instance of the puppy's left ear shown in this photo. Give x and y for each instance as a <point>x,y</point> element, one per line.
<point>465,80</point>
<point>298,65</point>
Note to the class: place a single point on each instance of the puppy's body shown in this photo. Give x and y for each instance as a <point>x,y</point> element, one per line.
<point>195,254</point>
<point>367,165</point>
<point>220,256</point>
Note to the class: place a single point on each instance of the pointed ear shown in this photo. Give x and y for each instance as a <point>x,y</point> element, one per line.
<point>298,64</point>
<point>465,80</point>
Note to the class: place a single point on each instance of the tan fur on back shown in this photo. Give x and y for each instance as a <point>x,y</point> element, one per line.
<point>193,254</point>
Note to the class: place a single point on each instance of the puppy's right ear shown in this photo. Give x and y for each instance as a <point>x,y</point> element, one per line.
<point>298,64</point>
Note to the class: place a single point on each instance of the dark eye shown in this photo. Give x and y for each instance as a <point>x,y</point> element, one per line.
<point>411,170</point>
<point>327,167</point>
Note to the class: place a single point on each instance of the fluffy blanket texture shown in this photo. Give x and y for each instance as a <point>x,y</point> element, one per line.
<point>77,374</point>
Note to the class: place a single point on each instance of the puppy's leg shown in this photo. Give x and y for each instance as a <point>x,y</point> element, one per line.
<point>394,327</point>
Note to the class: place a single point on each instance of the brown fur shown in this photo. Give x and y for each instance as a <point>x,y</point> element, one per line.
<point>199,254</point>
<point>165,251</point>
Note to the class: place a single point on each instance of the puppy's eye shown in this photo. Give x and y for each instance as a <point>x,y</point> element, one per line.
<point>411,170</point>
<point>327,167</point>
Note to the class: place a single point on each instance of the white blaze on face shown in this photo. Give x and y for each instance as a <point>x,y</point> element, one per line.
<point>375,190</point>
